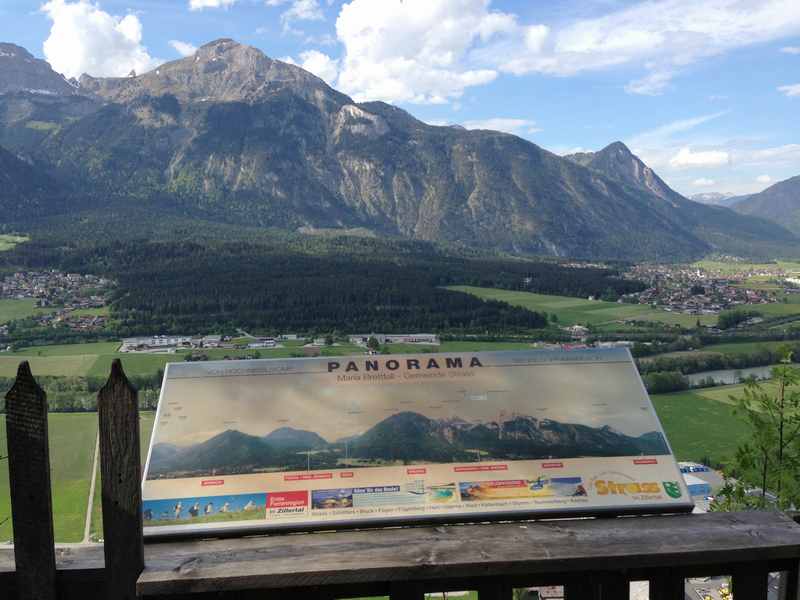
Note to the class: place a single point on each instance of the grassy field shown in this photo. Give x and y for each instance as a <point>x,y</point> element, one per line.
<point>459,346</point>
<point>742,347</point>
<point>572,311</point>
<point>16,309</point>
<point>63,366</point>
<point>94,360</point>
<point>72,443</point>
<point>7,242</point>
<point>701,424</point>
<point>732,268</point>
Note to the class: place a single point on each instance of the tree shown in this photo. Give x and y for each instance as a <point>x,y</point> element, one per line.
<point>373,343</point>
<point>771,457</point>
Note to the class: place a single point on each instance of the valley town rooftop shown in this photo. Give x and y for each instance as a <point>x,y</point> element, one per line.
<point>594,559</point>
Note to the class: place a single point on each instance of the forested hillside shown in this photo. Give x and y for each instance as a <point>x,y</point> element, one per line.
<point>307,283</point>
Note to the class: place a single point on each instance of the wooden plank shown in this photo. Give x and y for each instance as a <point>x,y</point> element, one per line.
<point>495,590</point>
<point>615,587</point>
<point>469,552</point>
<point>667,585</point>
<point>29,480</point>
<point>750,583</point>
<point>406,590</point>
<point>120,469</point>
<point>583,590</point>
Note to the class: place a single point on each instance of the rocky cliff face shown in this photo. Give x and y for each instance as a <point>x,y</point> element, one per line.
<point>21,72</point>
<point>231,135</point>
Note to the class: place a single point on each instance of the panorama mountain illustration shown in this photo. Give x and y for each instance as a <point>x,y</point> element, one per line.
<point>403,438</point>
<point>231,136</point>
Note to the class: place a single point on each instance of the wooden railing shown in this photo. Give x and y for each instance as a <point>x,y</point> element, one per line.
<point>594,559</point>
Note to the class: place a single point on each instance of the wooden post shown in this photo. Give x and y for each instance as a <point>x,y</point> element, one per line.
<point>615,587</point>
<point>667,585</point>
<point>788,584</point>
<point>406,590</point>
<point>120,469</point>
<point>29,478</point>
<point>495,590</point>
<point>585,590</point>
<point>750,582</point>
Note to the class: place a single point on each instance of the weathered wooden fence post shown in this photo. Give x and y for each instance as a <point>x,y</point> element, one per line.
<point>120,469</point>
<point>29,478</point>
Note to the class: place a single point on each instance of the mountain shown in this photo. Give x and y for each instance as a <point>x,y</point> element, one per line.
<point>20,71</point>
<point>405,437</point>
<point>289,438</point>
<point>410,436</point>
<point>226,451</point>
<point>26,190</point>
<point>713,198</point>
<point>722,229</point>
<point>229,135</point>
<point>780,202</point>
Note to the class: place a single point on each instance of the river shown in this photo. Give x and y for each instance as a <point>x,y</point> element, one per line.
<point>729,376</point>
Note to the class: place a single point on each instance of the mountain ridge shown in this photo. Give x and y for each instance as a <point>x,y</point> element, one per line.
<point>230,135</point>
<point>780,203</point>
<point>406,437</point>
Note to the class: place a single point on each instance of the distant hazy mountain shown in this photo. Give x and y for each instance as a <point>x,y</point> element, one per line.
<point>713,198</point>
<point>779,202</point>
<point>230,135</point>
<point>289,438</point>
<point>405,437</point>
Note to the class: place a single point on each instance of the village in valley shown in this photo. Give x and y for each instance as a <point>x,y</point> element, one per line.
<point>695,290</point>
<point>72,300</point>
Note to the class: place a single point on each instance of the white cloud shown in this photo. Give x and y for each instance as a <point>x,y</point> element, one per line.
<point>417,50</point>
<point>776,155</point>
<point>201,4</point>
<point>790,90</point>
<point>662,37</point>
<point>318,63</point>
<point>763,179</point>
<point>85,39</point>
<point>653,84</point>
<point>791,49</point>
<point>513,126</point>
<point>298,10</point>
<point>708,158</point>
<point>660,136</point>
<point>431,51</point>
<point>183,48</point>
<point>703,182</point>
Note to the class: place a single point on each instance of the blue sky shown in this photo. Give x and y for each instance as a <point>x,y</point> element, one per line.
<point>706,92</point>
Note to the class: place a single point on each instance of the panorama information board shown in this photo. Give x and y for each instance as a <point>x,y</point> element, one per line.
<point>366,440</point>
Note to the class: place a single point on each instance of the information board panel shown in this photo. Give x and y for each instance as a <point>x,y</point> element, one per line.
<point>365,440</point>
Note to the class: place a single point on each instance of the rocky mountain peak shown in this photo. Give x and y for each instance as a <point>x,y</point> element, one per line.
<point>619,149</point>
<point>617,161</point>
<point>20,71</point>
<point>220,71</point>
<point>12,50</point>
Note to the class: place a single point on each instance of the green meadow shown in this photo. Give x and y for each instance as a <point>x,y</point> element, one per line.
<point>702,423</point>
<point>12,309</point>
<point>571,311</point>
<point>72,443</point>
<point>7,242</point>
